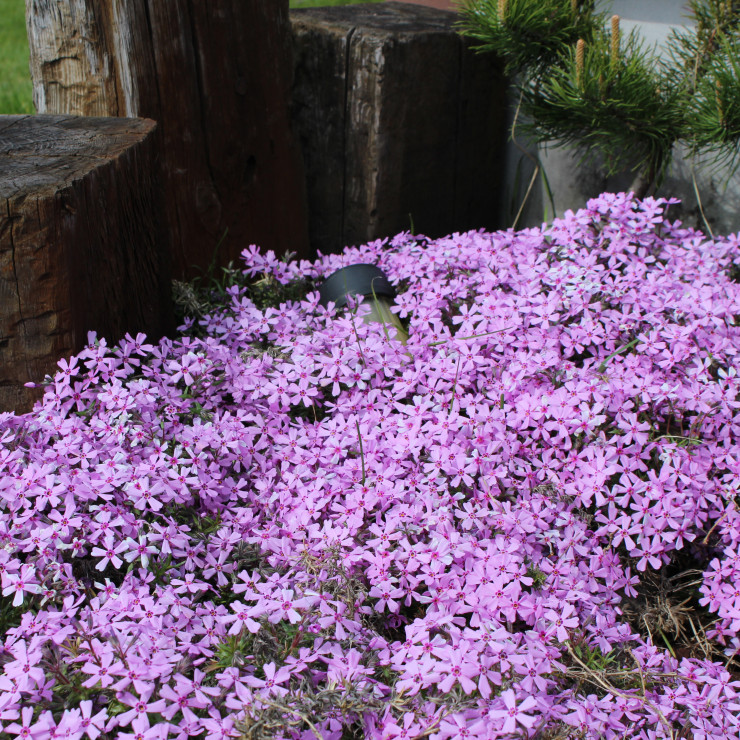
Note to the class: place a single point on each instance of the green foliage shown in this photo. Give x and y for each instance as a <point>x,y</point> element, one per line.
<point>160,569</point>
<point>620,108</point>
<point>210,293</point>
<point>714,116</point>
<point>593,658</point>
<point>233,651</point>
<point>199,526</point>
<point>68,688</point>
<point>585,86</point>
<point>10,616</point>
<point>268,292</point>
<point>691,49</point>
<point>538,576</point>
<point>529,36</point>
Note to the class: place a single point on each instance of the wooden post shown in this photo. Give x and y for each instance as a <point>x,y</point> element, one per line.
<point>80,242</point>
<point>402,125</point>
<point>216,77</point>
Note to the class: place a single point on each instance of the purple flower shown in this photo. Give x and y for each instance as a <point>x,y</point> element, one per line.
<point>24,669</point>
<point>512,714</point>
<point>272,680</point>
<point>21,583</point>
<point>109,553</point>
<point>141,707</point>
<point>91,724</point>
<point>27,728</point>
<point>291,488</point>
<point>459,665</point>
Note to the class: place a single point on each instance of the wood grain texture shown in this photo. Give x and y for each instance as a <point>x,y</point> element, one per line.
<point>396,116</point>
<point>80,242</point>
<point>216,77</point>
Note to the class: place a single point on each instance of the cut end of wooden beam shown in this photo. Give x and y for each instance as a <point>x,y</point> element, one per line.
<point>49,151</point>
<point>81,243</point>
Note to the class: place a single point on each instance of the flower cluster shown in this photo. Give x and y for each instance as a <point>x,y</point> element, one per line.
<point>520,522</point>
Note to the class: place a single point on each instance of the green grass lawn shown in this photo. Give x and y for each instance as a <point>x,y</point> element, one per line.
<point>15,80</point>
<point>314,3</point>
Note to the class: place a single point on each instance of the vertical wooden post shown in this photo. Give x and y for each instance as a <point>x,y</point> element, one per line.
<point>216,77</point>
<point>401,123</point>
<point>80,242</point>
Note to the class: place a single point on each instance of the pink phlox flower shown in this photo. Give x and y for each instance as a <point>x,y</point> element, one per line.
<point>135,674</point>
<point>202,693</point>
<point>387,595</point>
<point>409,728</point>
<point>242,617</point>
<point>650,551</point>
<point>218,728</point>
<point>189,584</point>
<point>511,714</point>
<point>144,492</point>
<point>8,565</point>
<point>587,419</point>
<point>335,617</point>
<point>20,583</point>
<point>27,728</point>
<point>211,629</point>
<point>181,698</point>
<point>418,675</point>
<point>67,520</point>
<point>169,539</point>
<point>91,724</point>
<point>298,663</point>
<point>284,605</point>
<point>346,667</point>
<point>533,670</point>
<point>384,536</point>
<point>271,683</point>
<point>460,664</point>
<point>560,623</point>
<point>25,669</point>
<point>109,553</point>
<point>722,687</point>
<point>102,669</point>
<point>303,392</point>
<point>188,367</point>
<point>248,585</point>
<point>143,730</point>
<point>626,528</point>
<point>139,550</point>
<point>141,707</point>
<point>588,715</point>
<point>457,725</point>
<point>68,367</point>
<point>634,430</point>
<point>436,555</point>
<point>70,726</point>
<point>10,697</point>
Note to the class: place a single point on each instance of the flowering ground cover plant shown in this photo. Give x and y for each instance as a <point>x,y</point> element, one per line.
<point>288,524</point>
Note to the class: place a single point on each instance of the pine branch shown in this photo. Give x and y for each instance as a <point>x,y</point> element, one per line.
<point>713,124</point>
<point>585,86</point>
<point>607,97</point>
<point>529,36</point>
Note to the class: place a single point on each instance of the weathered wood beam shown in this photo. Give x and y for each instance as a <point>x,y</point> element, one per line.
<point>399,122</point>
<point>80,242</point>
<point>216,78</point>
